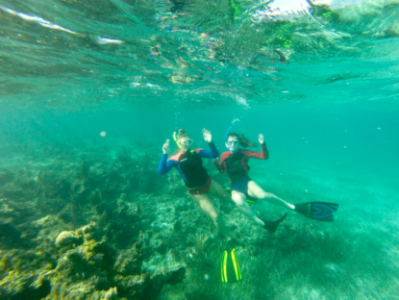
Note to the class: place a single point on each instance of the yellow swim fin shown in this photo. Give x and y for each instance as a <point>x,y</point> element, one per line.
<point>230,267</point>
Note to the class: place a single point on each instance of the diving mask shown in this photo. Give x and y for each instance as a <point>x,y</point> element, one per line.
<point>185,142</point>
<point>232,144</point>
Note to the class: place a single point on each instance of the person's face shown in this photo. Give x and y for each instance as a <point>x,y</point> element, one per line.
<point>232,143</point>
<point>185,143</point>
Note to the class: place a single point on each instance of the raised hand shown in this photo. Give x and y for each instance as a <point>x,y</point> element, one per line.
<point>165,147</point>
<point>261,138</point>
<point>207,135</point>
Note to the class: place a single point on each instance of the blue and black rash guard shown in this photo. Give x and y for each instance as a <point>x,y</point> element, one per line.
<point>189,165</point>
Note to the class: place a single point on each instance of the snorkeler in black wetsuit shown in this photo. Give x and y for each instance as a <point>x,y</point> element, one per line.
<point>189,164</point>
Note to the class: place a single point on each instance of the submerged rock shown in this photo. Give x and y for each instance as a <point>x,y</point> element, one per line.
<point>132,286</point>
<point>159,279</point>
<point>9,235</point>
<point>111,294</point>
<point>176,275</point>
<point>16,286</point>
<point>129,261</point>
<point>89,232</point>
<point>101,260</point>
<point>66,238</point>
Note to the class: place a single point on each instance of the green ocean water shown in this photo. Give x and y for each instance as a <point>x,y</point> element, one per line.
<point>90,91</point>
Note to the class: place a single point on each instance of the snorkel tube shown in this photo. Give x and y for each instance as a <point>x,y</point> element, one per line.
<point>228,132</point>
<point>184,149</point>
<point>175,138</point>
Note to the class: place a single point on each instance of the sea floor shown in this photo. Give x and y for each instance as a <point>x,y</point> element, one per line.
<point>141,232</point>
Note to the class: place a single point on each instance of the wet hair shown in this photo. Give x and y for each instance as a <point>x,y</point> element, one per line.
<point>181,134</point>
<point>242,140</point>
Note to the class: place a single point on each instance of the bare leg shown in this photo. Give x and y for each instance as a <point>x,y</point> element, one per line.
<point>217,191</point>
<point>239,200</point>
<point>237,197</point>
<point>206,205</point>
<point>256,191</point>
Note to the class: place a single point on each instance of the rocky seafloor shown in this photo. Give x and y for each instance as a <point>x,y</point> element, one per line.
<point>77,225</point>
<point>98,222</point>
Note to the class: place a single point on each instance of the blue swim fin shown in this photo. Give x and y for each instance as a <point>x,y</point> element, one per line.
<point>322,211</point>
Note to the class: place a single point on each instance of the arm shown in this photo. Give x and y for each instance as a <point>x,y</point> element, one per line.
<point>165,165</point>
<point>221,166</point>
<point>213,153</point>
<point>259,155</point>
<point>206,153</point>
<point>218,166</point>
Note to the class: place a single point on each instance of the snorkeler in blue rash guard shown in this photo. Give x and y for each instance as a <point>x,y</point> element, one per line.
<point>189,164</point>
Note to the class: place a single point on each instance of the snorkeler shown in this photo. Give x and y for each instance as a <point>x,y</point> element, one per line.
<point>235,164</point>
<point>189,164</point>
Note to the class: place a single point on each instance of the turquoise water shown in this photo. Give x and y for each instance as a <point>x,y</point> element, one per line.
<point>89,92</point>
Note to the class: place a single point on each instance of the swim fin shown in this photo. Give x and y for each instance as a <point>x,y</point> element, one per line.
<point>271,226</point>
<point>322,211</point>
<point>230,267</point>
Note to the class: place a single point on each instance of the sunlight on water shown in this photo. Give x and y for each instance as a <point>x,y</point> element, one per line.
<point>38,20</point>
<point>249,47</point>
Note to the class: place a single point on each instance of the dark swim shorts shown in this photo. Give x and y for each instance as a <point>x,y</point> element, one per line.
<point>241,185</point>
<point>203,189</point>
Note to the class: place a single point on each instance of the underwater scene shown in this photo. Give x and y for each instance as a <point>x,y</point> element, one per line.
<point>199,149</point>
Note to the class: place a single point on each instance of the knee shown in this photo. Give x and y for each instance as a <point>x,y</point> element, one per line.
<point>239,201</point>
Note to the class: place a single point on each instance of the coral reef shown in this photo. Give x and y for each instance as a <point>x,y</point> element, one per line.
<point>66,238</point>
<point>76,231</point>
